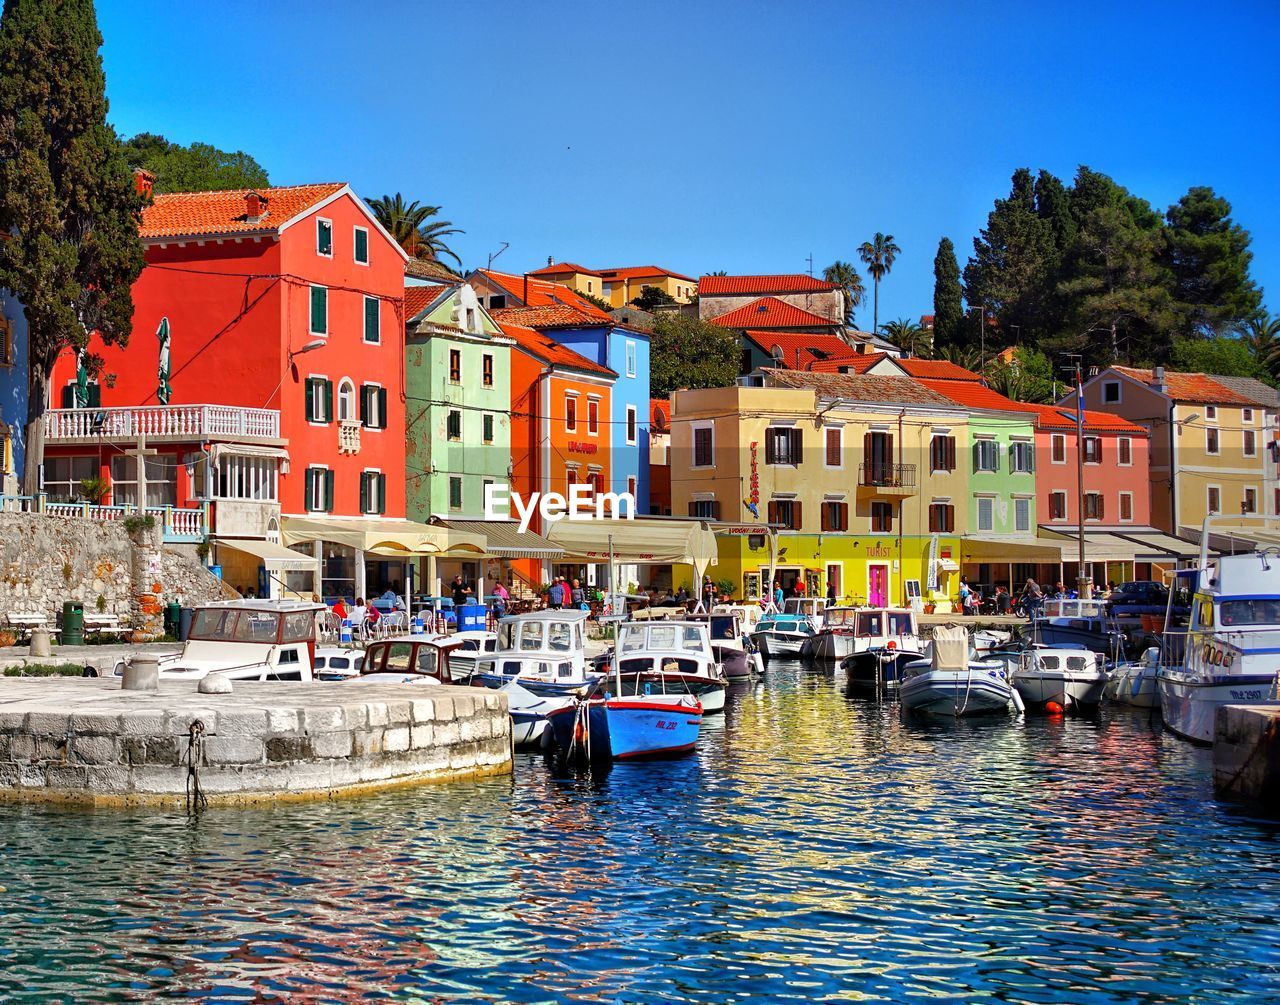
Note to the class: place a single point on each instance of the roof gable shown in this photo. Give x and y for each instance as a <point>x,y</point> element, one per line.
<point>795,282</point>
<point>1193,387</point>
<point>866,388</point>
<point>540,293</point>
<point>548,350</point>
<point>770,312</point>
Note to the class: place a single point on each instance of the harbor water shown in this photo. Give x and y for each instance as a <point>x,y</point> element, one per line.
<point>815,849</point>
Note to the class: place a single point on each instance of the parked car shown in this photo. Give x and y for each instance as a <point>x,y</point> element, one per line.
<point>1131,600</point>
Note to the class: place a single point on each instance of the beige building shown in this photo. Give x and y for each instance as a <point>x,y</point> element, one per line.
<point>619,286</point>
<point>719,295</point>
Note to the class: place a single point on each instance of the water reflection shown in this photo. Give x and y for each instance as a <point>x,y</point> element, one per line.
<point>816,848</point>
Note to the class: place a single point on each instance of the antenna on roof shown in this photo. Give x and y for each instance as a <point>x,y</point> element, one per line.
<point>810,261</point>
<point>505,246</point>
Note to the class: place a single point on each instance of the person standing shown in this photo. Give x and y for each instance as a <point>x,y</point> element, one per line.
<point>831,593</point>
<point>778,595</point>
<point>461,591</point>
<point>555,595</point>
<point>577,597</point>
<point>500,599</point>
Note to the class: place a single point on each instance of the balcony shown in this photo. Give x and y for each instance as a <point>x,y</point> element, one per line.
<point>887,480</point>
<point>348,436</point>
<point>181,525</point>
<point>162,423</point>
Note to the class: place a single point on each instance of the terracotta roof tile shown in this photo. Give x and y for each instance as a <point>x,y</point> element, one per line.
<point>1251,388</point>
<point>549,351</point>
<point>800,351</point>
<point>849,362</point>
<point>188,214</point>
<point>770,312</point>
<point>760,285</point>
<point>1056,417</point>
<point>973,394</point>
<point>861,387</point>
<point>936,369</point>
<point>550,316</point>
<point>563,268</point>
<point>428,268</point>
<point>640,271</point>
<point>541,293</point>
<point>1199,387</point>
<point>418,298</point>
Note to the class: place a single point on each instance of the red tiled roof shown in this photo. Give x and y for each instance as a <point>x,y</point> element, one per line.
<point>1057,417</point>
<point>1198,387</point>
<point>542,293</point>
<point>183,214</point>
<point>656,406</point>
<point>935,369</point>
<point>563,268</point>
<point>551,316</point>
<point>709,286</point>
<point>550,351</point>
<point>973,394</point>
<point>418,298</point>
<point>640,271</point>
<point>850,362</point>
<point>800,350</point>
<point>429,268</point>
<point>770,312</point>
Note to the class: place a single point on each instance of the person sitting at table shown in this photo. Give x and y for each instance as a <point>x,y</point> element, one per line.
<point>392,600</point>
<point>340,609</point>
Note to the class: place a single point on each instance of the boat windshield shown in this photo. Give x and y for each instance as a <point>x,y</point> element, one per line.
<point>506,635</point>
<point>229,624</point>
<point>632,639</point>
<point>724,626</point>
<point>531,636</point>
<point>839,616</point>
<point>560,636</point>
<point>1253,611</point>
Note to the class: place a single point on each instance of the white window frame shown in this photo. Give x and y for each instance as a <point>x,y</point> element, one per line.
<point>1244,497</point>
<point>571,427</point>
<point>1244,439</point>
<point>1066,505</point>
<point>1246,415</point>
<point>1209,508</point>
<point>977,512</point>
<point>839,431</point>
<point>448,377</point>
<point>693,445</point>
<point>632,357</point>
<point>364,314</point>
<point>1120,511</point>
<point>632,427</point>
<point>1107,385</point>
<point>353,405</point>
<point>323,220</point>
<point>367,247</point>
<point>320,470</point>
<point>593,399</point>
<point>982,442</point>
<point>1025,447</point>
<point>1120,454</point>
<point>447,437</point>
<point>1210,413</point>
<point>309,388</point>
<point>1054,440</point>
<point>1217,438</point>
<point>462,495</point>
<point>381,424</point>
<point>373,483</point>
<point>493,426</point>
<point>1085,507</point>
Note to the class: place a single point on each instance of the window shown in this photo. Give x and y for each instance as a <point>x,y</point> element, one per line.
<point>593,416</point>
<point>1057,506</point>
<point>785,512</point>
<point>942,453</point>
<point>570,479</point>
<point>1246,414</point>
<point>1093,506</point>
<point>488,428</point>
<point>1210,441</point>
<point>986,455</point>
<point>942,518</point>
<point>319,310</point>
<point>235,477</point>
<point>1111,391</point>
<point>62,476</point>
<point>486,369</point>
<point>782,445</point>
<point>1249,504</point>
<point>631,424</point>
<point>1211,412</point>
<point>1022,515</point>
<point>373,492</point>
<point>705,509</point>
<point>632,486</point>
<point>1215,499</point>
<point>455,492</point>
<point>703,447</point>
<point>1250,444</point>
<point>1058,448</point>
<point>453,424</point>
<point>319,399</point>
<point>631,358</point>
<point>324,237</point>
<point>1126,507</point>
<point>373,406</point>
<point>372,320</point>
<point>877,464</point>
<point>986,513</point>
<point>1124,448</point>
<point>835,515</point>
<point>1093,450</point>
<point>881,518</point>
<point>6,341</point>
<point>346,400</point>
<point>497,302</point>
<point>1021,457</point>
<point>318,490</point>
<point>455,366</point>
<point>361,246</point>
<point>835,446</point>
<point>571,413</point>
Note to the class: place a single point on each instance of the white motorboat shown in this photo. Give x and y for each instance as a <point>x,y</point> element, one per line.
<point>781,635</point>
<point>950,683</point>
<point>1228,655</point>
<point>544,650</point>
<point>835,640</point>
<point>733,649</point>
<point>883,641</point>
<point>462,660</point>
<point>1071,677</point>
<point>529,713</point>
<point>748,614</point>
<point>1135,683</point>
<point>987,640</point>
<point>813,608</point>
<point>667,658</point>
<point>337,662</point>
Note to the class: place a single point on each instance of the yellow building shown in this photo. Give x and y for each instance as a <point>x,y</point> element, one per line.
<point>576,277</point>
<point>622,285</point>
<point>857,473</point>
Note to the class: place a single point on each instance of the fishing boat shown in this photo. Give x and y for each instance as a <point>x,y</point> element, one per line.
<point>545,651</point>
<point>987,640</point>
<point>1072,678</point>
<point>1228,655</point>
<point>749,615</point>
<point>813,608</point>
<point>668,657</point>
<point>951,683</point>
<point>1088,623</point>
<point>735,652</point>
<point>474,644</point>
<point>781,635</point>
<point>1134,683</point>
<point>337,662</point>
<point>835,640</point>
<point>884,641</point>
<point>626,729</point>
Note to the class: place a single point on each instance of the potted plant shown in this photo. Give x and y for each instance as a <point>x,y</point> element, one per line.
<point>95,489</point>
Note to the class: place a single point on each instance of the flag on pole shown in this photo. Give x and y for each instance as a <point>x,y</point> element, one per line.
<point>163,390</point>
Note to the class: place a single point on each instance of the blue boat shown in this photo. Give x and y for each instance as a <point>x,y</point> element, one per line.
<point>627,729</point>
<point>543,651</point>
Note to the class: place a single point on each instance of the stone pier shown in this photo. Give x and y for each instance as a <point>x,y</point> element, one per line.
<point>87,741</point>
<point>1246,752</point>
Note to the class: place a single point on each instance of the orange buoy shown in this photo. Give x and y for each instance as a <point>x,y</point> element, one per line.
<point>1053,708</point>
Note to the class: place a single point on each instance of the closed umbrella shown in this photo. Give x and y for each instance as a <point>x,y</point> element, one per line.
<point>163,390</point>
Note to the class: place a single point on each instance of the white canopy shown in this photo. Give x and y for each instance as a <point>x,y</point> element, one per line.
<point>273,556</point>
<point>638,542</point>
<point>388,538</point>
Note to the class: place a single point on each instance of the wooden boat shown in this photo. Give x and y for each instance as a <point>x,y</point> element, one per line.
<point>668,657</point>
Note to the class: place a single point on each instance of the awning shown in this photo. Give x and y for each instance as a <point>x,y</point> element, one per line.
<point>638,542</point>
<point>388,538</point>
<point>1050,545</point>
<point>1099,545</point>
<point>1232,539</point>
<point>505,539</point>
<point>217,450</point>
<point>1156,545</point>
<point>274,556</point>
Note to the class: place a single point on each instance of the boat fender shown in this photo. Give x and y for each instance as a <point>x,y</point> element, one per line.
<point>1018,703</point>
<point>1053,708</point>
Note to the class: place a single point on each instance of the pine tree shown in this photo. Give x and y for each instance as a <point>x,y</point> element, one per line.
<point>67,199</point>
<point>1208,256</point>
<point>948,312</point>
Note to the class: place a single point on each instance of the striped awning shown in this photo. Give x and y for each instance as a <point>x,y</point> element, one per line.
<point>505,539</point>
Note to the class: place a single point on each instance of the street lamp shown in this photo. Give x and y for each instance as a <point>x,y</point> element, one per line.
<point>311,346</point>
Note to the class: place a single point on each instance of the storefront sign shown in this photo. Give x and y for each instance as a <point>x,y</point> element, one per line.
<point>579,447</point>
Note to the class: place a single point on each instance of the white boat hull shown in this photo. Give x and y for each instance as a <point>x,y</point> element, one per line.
<point>1067,690</point>
<point>979,691</point>
<point>1133,684</point>
<point>774,644</point>
<point>828,647</point>
<point>1189,705</point>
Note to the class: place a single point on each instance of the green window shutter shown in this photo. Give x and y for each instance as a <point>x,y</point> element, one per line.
<point>319,310</point>
<point>364,405</point>
<point>324,238</point>
<point>309,396</point>
<point>364,492</point>
<point>382,494</point>
<point>328,491</point>
<point>68,397</point>
<point>362,246</point>
<point>372,316</point>
<point>308,493</point>
<point>95,395</point>
<point>328,401</point>
<point>382,408</point>
<point>995,455</point>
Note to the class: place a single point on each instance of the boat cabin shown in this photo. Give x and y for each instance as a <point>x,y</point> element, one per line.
<point>410,656</point>
<point>886,623</point>
<point>748,614</point>
<point>544,645</point>
<point>270,640</point>
<point>1068,608</point>
<point>669,646</point>
<point>810,607</point>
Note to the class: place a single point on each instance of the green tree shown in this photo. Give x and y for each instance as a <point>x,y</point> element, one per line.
<point>67,198</point>
<point>651,297</point>
<point>685,352</point>
<point>906,334</point>
<point>1023,374</point>
<point>1262,335</point>
<point>878,255</point>
<point>415,228</point>
<point>948,311</point>
<point>849,279</point>
<point>1228,357</point>
<point>199,167</point>
<point>1208,255</point>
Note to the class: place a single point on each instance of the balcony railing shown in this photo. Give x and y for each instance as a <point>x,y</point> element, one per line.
<point>889,477</point>
<point>348,436</point>
<point>162,422</point>
<point>179,524</point>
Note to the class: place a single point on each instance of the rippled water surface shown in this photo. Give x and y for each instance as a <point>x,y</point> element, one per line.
<point>816,849</point>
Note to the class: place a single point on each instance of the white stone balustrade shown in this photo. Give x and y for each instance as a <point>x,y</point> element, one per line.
<point>162,422</point>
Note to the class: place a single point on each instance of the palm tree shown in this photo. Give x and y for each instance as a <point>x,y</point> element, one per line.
<point>878,256</point>
<point>847,277</point>
<point>413,228</point>
<point>961,355</point>
<point>1262,335</point>
<point>904,333</point>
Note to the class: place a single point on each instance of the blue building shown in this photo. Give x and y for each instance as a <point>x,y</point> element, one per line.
<point>13,392</point>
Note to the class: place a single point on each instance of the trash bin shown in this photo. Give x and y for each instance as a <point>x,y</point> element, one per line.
<point>184,623</point>
<point>73,623</point>
<point>172,618</point>
<point>471,618</point>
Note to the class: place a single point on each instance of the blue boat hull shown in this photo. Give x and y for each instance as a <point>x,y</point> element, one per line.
<point>625,729</point>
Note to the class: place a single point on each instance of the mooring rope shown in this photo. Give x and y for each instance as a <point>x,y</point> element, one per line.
<point>197,801</point>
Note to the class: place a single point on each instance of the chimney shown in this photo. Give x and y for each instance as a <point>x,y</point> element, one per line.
<point>255,207</point>
<point>1159,381</point>
<point>550,260</point>
<point>144,183</point>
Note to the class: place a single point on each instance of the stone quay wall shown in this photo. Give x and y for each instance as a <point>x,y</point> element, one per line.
<point>86,741</point>
<point>1246,752</point>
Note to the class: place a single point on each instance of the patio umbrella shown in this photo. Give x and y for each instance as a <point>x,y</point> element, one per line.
<point>81,390</point>
<point>163,390</point>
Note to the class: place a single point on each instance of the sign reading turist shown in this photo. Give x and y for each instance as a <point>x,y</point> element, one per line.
<point>581,504</point>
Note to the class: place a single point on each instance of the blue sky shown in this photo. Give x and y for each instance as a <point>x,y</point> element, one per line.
<point>741,136</point>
